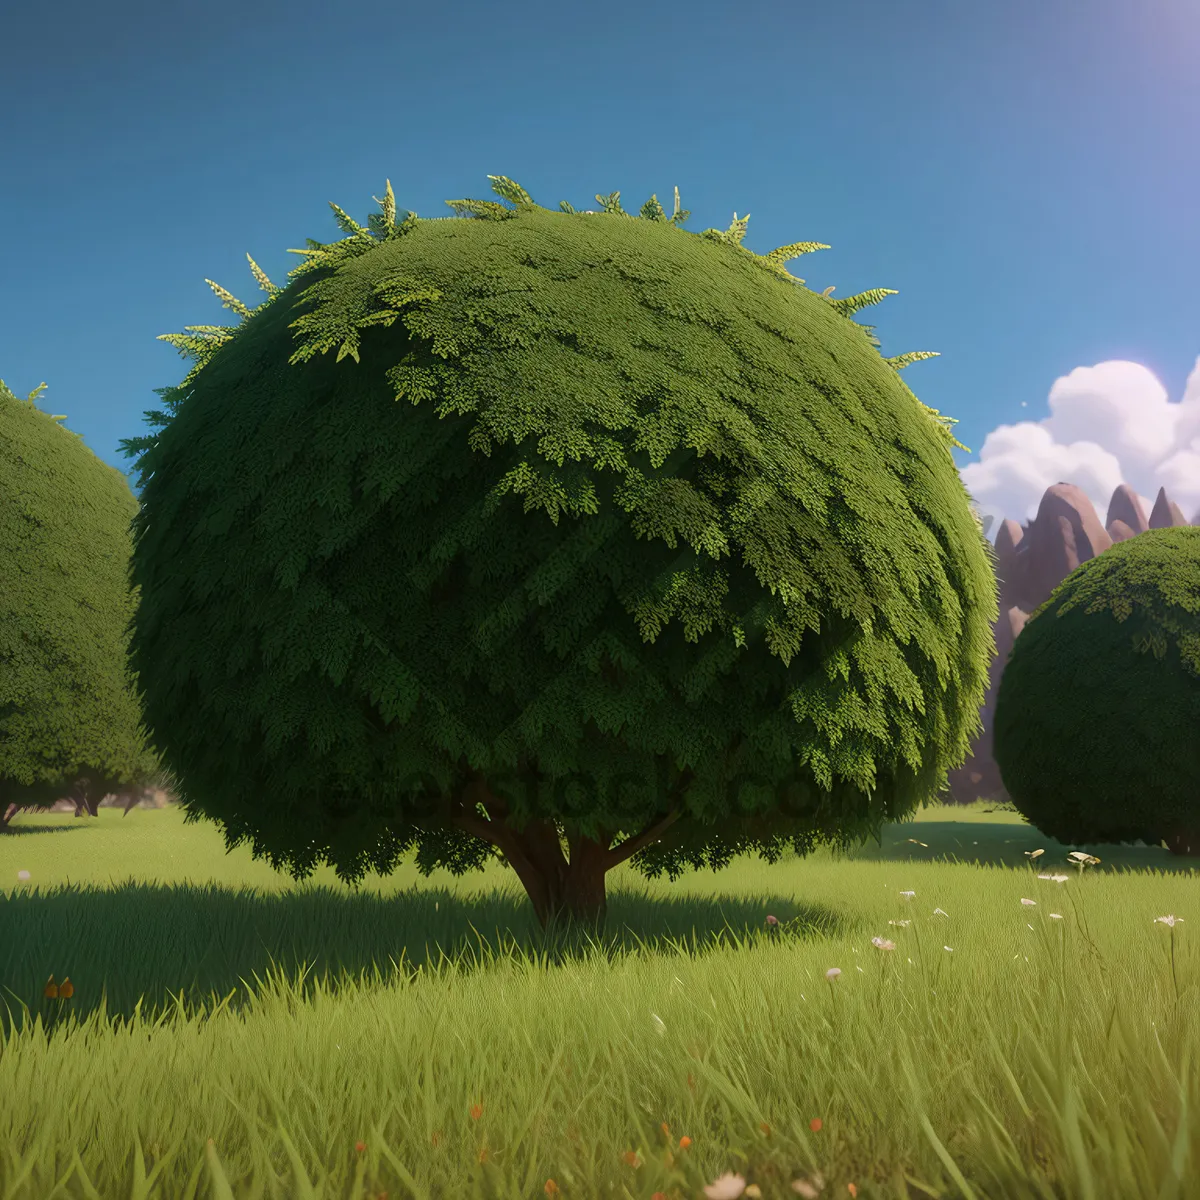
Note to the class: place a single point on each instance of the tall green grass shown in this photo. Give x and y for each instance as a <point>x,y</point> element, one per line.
<point>231,1033</point>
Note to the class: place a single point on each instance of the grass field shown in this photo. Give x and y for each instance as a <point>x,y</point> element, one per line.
<point>232,1033</point>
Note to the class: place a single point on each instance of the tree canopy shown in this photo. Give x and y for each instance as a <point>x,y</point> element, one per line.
<point>593,529</point>
<point>1097,725</point>
<point>69,711</point>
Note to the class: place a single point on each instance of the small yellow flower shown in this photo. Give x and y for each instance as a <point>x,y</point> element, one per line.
<point>66,989</point>
<point>50,990</point>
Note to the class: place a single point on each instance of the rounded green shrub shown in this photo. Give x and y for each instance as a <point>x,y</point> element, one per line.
<point>1097,725</point>
<point>591,528</point>
<point>69,711</point>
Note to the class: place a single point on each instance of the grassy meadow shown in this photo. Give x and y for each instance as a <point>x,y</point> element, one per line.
<point>923,1018</point>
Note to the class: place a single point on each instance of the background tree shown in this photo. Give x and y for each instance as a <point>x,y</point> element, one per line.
<point>596,540</point>
<point>1097,720</point>
<point>70,720</point>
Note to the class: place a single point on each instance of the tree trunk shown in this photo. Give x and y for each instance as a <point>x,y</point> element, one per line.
<point>1183,841</point>
<point>35,797</point>
<point>563,890</point>
<point>80,794</point>
<point>576,895</point>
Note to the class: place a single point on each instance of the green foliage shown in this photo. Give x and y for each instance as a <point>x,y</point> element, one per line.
<point>583,502</point>
<point>1097,728</point>
<point>68,706</point>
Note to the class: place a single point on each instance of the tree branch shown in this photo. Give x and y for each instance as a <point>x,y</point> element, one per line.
<point>463,815</point>
<point>628,848</point>
<point>496,831</point>
<point>534,853</point>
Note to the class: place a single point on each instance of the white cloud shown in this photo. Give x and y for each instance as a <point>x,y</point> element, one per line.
<point>1109,424</point>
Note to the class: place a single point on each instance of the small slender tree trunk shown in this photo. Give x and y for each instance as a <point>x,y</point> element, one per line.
<point>79,794</point>
<point>1184,841</point>
<point>87,791</point>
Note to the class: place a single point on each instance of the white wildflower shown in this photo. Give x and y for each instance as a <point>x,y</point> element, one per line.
<point>727,1187</point>
<point>809,1188</point>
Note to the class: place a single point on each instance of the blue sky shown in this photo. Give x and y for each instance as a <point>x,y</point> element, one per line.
<point>1025,177</point>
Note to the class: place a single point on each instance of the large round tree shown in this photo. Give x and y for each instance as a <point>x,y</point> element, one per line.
<point>1098,712</point>
<point>70,720</point>
<point>595,538</point>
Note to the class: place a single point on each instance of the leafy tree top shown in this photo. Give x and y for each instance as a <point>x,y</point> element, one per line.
<point>1149,585</point>
<point>67,703</point>
<point>199,342</point>
<point>577,495</point>
<point>1099,703</point>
